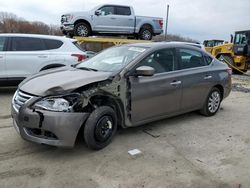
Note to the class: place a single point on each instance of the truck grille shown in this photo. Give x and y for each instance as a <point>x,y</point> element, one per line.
<point>21,98</point>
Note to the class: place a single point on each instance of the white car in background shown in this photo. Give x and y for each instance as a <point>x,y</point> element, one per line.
<point>22,55</point>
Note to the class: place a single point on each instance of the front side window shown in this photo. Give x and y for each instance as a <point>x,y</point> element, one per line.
<point>161,60</point>
<point>107,10</point>
<point>27,44</point>
<point>2,43</point>
<point>191,59</point>
<point>112,59</point>
<point>125,11</point>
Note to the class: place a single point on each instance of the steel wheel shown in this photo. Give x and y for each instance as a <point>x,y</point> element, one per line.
<point>214,101</point>
<point>100,127</point>
<point>104,128</point>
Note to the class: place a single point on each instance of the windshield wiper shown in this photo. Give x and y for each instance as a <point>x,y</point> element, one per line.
<point>86,68</point>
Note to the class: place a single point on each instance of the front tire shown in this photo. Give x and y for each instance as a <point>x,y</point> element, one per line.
<point>82,30</point>
<point>100,128</point>
<point>212,103</point>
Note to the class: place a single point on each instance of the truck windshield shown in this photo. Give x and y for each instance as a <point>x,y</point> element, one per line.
<point>112,59</point>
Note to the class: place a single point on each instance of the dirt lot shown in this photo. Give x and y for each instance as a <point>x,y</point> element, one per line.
<point>187,151</point>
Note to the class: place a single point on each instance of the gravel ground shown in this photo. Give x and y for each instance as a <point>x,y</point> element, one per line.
<point>187,151</point>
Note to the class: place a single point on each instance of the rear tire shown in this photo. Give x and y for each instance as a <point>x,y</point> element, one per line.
<point>82,30</point>
<point>212,103</point>
<point>146,33</point>
<point>100,127</point>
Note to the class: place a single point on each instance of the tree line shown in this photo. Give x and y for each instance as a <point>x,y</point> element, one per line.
<point>11,23</point>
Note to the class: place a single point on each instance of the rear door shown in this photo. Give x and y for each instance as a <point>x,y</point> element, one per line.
<point>195,78</point>
<point>159,95</point>
<point>25,56</point>
<point>124,19</point>
<point>3,42</point>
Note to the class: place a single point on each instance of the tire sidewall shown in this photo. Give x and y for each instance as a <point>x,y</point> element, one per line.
<point>90,126</point>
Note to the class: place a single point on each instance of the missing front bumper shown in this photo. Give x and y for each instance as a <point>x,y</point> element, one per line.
<point>56,129</point>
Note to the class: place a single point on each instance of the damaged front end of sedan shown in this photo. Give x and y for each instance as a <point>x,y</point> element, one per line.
<point>57,119</point>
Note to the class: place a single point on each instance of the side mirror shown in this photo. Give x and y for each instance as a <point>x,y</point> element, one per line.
<point>144,71</point>
<point>98,12</point>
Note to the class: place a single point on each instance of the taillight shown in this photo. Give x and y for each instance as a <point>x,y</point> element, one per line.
<point>229,71</point>
<point>80,57</point>
<point>161,23</point>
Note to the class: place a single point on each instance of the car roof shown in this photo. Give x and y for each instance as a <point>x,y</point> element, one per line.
<point>36,36</point>
<point>156,45</point>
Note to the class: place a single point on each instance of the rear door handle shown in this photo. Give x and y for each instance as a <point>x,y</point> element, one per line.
<point>130,19</point>
<point>113,18</point>
<point>42,56</point>
<point>175,83</point>
<point>207,77</point>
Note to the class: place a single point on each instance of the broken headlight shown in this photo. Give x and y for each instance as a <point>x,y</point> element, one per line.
<point>56,104</point>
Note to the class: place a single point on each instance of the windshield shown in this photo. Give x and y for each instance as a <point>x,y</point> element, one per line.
<point>112,59</point>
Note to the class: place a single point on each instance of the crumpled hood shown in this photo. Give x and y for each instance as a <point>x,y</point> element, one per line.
<point>60,81</point>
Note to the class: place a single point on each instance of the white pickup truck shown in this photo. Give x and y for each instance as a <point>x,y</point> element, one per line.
<point>112,20</point>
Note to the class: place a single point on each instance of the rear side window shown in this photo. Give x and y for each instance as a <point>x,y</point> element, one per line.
<point>2,43</point>
<point>52,44</point>
<point>123,11</point>
<point>27,44</point>
<point>191,59</point>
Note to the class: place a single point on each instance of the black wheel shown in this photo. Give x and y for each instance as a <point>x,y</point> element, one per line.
<point>82,29</point>
<point>212,103</point>
<point>100,127</point>
<point>146,33</point>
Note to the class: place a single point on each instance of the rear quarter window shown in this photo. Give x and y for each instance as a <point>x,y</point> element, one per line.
<point>208,59</point>
<point>52,44</point>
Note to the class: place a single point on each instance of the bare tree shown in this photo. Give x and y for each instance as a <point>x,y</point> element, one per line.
<point>10,23</point>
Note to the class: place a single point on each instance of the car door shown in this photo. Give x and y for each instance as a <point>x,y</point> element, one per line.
<point>195,77</point>
<point>124,20</point>
<point>159,95</point>
<point>105,21</point>
<point>3,42</point>
<point>25,57</point>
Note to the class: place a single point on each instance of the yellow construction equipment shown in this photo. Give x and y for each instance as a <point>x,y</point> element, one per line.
<point>237,53</point>
<point>209,44</point>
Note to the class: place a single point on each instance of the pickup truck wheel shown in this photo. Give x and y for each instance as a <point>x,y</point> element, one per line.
<point>82,29</point>
<point>100,127</point>
<point>212,103</point>
<point>146,33</point>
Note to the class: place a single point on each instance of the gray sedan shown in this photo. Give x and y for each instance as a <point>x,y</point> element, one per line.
<point>122,86</point>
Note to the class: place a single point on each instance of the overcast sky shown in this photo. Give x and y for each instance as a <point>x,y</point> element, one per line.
<point>197,19</point>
